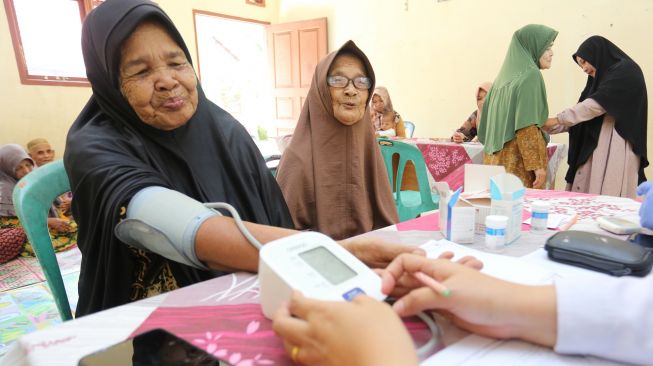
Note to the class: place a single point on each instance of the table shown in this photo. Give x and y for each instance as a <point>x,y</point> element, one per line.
<point>445,161</point>
<point>222,315</point>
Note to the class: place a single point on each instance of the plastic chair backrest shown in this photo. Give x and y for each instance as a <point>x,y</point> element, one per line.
<point>407,153</point>
<point>410,128</point>
<point>33,197</point>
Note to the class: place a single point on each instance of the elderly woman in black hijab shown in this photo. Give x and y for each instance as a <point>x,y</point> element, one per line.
<point>607,128</point>
<point>143,154</point>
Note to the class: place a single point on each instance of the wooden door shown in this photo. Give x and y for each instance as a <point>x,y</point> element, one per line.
<point>294,51</point>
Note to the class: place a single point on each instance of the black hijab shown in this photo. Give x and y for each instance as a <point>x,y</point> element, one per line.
<point>111,155</point>
<point>619,88</point>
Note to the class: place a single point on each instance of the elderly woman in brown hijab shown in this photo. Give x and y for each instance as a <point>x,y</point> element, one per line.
<point>383,114</point>
<point>332,174</point>
<point>468,130</point>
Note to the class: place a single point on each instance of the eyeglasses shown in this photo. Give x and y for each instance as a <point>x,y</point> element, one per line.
<point>360,82</point>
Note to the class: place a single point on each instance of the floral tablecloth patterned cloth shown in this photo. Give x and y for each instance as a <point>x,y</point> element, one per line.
<point>446,160</point>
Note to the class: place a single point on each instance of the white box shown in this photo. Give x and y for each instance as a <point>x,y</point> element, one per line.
<point>457,217</point>
<point>507,194</point>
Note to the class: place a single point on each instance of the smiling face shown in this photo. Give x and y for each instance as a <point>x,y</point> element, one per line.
<point>24,167</point>
<point>348,102</point>
<point>156,78</point>
<point>588,68</point>
<point>546,58</point>
<point>41,153</point>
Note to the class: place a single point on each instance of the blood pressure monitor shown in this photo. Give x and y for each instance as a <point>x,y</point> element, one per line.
<point>315,265</point>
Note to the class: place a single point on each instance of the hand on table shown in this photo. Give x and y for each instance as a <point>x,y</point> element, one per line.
<point>458,137</point>
<point>407,282</point>
<point>361,332</point>
<point>477,303</point>
<point>376,253</point>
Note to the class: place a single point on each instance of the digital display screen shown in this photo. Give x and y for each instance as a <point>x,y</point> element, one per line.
<point>328,265</point>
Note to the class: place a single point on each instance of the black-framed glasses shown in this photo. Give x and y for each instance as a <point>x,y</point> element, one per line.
<point>360,82</point>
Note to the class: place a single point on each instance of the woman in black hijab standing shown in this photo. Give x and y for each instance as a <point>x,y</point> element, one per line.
<point>607,128</point>
<point>148,128</point>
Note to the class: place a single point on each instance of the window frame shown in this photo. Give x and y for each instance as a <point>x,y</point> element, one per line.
<point>85,6</point>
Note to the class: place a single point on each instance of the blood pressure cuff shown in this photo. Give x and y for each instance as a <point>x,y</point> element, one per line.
<point>599,253</point>
<point>165,222</point>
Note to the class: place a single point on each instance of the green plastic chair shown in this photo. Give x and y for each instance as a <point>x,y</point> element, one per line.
<point>33,197</point>
<point>409,203</point>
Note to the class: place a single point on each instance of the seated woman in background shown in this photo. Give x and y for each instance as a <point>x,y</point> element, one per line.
<point>149,141</point>
<point>467,132</point>
<point>516,107</point>
<point>332,174</point>
<point>15,164</point>
<point>42,152</point>
<point>607,128</point>
<point>381,111</point>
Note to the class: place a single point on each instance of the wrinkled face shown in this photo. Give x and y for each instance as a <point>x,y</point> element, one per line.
<point>588,68</point>
<point>480,99</point>
<point>42,153</point>
<point>546,58</point>
<point>377,103</point>
<point>348,102</point>
<point>156,78</point>
<point>25,166</point>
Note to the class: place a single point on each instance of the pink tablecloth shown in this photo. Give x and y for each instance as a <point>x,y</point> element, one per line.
<point>223,317</point>
<point>586,207</point>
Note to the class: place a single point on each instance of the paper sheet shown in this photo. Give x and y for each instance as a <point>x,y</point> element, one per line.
<point>476,350</point>
<point>500,266</point>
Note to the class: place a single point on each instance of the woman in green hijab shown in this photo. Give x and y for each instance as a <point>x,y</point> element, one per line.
<point>515,108</point>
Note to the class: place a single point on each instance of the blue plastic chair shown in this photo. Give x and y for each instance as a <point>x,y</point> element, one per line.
<point>409,203</point>
<point>33,197</point>
<point>410,128</point>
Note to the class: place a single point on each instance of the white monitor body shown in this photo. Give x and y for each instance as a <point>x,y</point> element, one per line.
<point>315,265</point>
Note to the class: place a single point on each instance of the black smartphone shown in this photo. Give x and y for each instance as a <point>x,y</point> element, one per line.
<point>155,347</point>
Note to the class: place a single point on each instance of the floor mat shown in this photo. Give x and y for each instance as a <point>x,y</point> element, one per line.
<point>29,308</point>
<point>24,271</point>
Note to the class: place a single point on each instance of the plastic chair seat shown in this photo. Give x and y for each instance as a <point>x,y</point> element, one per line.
<point>410,204</point>
<point>33,197</point>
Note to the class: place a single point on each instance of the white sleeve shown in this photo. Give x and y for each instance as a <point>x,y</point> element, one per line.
<point>612,318</point>
<point>389,132</point>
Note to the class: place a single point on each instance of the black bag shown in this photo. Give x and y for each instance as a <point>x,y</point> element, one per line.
<point>599,253</point>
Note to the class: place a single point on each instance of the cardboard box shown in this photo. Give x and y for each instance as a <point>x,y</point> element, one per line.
<point>457,217</point>
<point>477,177</point>
<point>507,195</point>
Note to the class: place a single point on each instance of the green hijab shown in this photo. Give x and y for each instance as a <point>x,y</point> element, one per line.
<point>518,96</point>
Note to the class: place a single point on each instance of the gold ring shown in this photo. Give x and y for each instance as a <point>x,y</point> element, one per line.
<point>294,352</point>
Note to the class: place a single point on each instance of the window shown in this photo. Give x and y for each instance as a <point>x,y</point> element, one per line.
<point>46,35</point>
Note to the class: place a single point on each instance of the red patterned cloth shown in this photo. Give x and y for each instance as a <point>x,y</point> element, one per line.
<point>11,243</point>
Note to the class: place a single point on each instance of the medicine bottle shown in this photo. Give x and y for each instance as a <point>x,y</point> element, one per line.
<point>539,216</point>
<point>495,231</point>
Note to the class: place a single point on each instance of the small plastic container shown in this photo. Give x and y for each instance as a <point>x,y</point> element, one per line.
<point>539,216</point>
<point>495,231</point>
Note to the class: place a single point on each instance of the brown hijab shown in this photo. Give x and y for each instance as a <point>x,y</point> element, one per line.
<point>332,175</point>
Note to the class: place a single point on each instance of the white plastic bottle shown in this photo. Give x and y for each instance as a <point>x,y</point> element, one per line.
<point>539,216</point>
<point>495,231</point>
